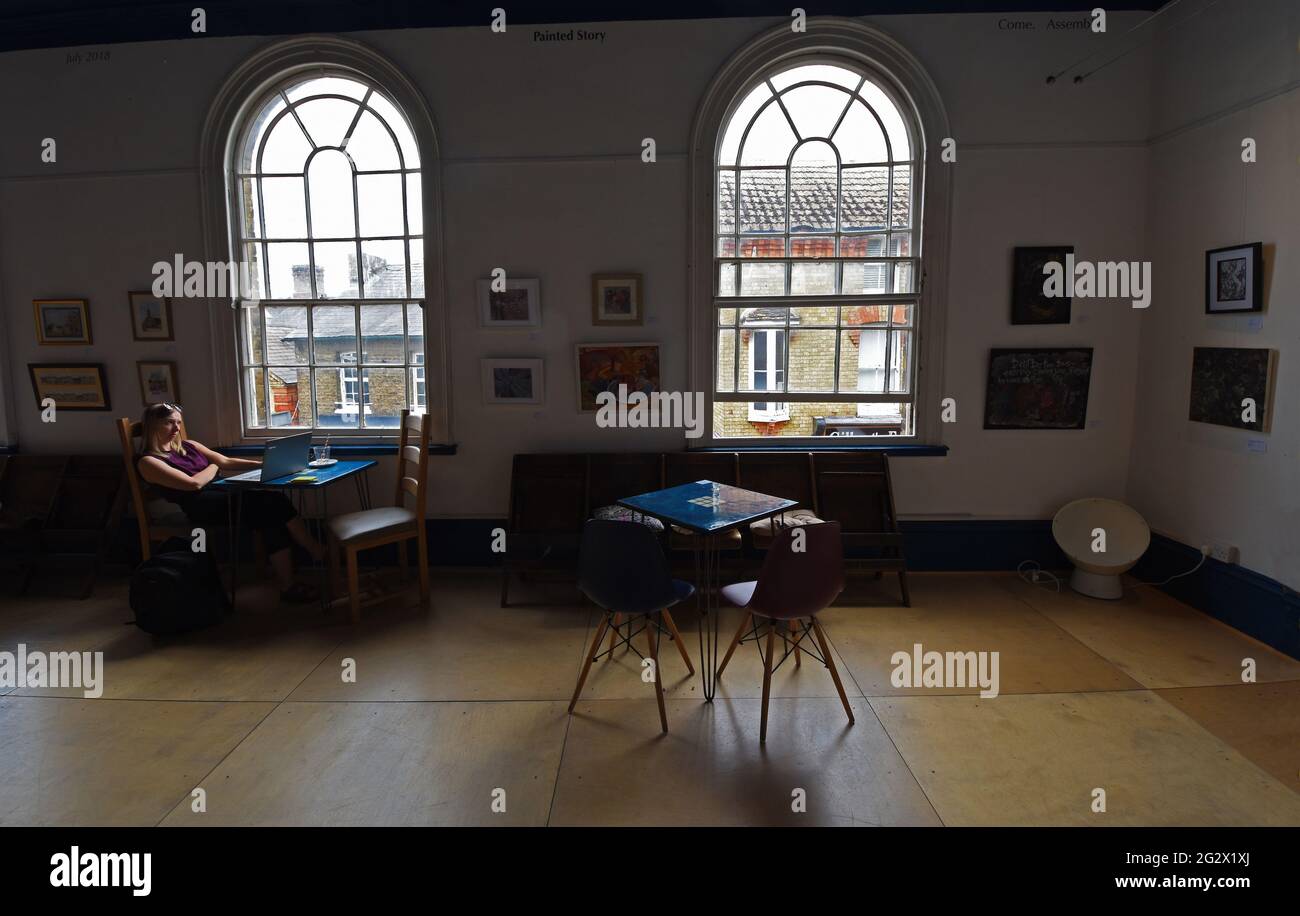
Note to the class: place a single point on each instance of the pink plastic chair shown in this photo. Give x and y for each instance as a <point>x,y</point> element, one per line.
<point>793,585</point>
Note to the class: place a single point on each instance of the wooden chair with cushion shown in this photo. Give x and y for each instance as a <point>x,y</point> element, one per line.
<point>615,475</point>
<point>855,490</point>
<point>687,467</point>
<point>785,474</point>
<point>156,518</point>
<point>354,532</point>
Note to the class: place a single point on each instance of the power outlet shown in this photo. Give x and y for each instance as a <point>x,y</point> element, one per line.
<point>1224,553</point>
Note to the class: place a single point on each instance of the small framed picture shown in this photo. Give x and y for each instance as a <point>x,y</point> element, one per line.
<point>519,305</point>
<point>64,322</point>
<point>151,317</point>
<point>1234,279</point>
<point>513,381</point>
<point>1030,303</point>
<point>72,386</point>
<point>158,383</point>
<point>616,299</point>
<point>605,366</point>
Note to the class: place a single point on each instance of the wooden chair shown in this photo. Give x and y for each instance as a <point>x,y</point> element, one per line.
<point>855,490</point>
<point>354,532</point>
<point>157,519</point>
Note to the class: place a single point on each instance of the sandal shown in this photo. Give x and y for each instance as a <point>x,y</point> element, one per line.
<point>298,593</point>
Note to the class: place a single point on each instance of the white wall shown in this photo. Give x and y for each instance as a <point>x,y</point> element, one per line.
<point>542,175</point>
<point>1233,72</point>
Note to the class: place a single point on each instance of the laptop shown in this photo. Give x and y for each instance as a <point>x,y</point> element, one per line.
<point>284,456</point>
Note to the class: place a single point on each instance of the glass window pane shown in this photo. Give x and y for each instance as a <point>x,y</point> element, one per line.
<point>862,360</point>
<point>250,332</point>
<point>387,391</point>
<point>900,362</point>
<point>770,139</point>
<point>286,335</point>
<point>255,397</point>
<point>286,148</point>
<point>727,318</point>
<point>859,137</point>
<point>762,200</point>
<point>290,397</point>
<point>825,73</point>
<point>812,278</point>
<point>813,175</point>
<point>727,279</point>
<point>379,199</point>
<point>866,315</point>
<point>813,247</point>
<point>338,394</point>
<point>326,120</point>
<point>814,316</point>
<point>904,277</point>
<point>736,420</point>
<point>726,200</point>
<point>389,114</point>
<point>726,380</point>
<point>812,360</point>
<point>414,204</point>
<point>865,278</point>
<point>815,109</point>
<point>902,217</point>
<point>250,215</point>
<point>864,198</point>
<point>900,244</point>
<point>883,106</point>
<point>727,247</point>
<point>371,146</point>
<point>381,334</point>
<point>760,278</point>
<point>327,85</point>
<point>336,270</point>
<point>289,270</point>
<point>334,335</point>
<point>285,206</point>
<point>415,332</point>
<point>251,272</point>
<point>257,131</point>
<point>774,317</point>
<point>739,120</point>
<point>862,246</point>
<point>417,267</point>
<point>329,182</point>
<point>385,269</point>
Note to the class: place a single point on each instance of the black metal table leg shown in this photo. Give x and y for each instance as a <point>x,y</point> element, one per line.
<point>705,551</point>
<point>237,499</point>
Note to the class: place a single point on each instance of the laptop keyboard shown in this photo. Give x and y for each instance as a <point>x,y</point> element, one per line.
<point>248,475</point>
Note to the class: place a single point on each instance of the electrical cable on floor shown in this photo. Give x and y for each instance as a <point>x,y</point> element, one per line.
<point>1037,575</point>
<point>1199,564</point>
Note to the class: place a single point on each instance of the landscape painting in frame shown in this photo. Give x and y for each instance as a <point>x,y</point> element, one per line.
<point>151,317</point>
<point>1029,304</point>
<point>513,381</point>
<point>519,305</point>
<point>72,386</point>
<point>62,322</point>
<point>1223,378</point>
<point>1038,388</point>
<point>603,367</point>
<point>616,299</point>
<point>158,382</point>
<point>1234,279</point>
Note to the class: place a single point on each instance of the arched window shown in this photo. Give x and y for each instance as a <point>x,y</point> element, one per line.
<point>329,225</point>
<point>817,308</point>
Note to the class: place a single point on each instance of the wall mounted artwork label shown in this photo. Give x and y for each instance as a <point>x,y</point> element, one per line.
<point>1224,377</point>
<point>1038,388</point>
<point>1029,304</point>
<point>1234,279</point>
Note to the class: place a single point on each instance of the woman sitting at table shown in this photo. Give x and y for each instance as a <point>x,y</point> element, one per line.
<point>182,471</point>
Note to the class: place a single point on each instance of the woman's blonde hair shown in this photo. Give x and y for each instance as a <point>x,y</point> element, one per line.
<point>154,416</point>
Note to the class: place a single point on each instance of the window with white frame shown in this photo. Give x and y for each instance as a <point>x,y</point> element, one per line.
<point>327,180</point>
<point>817,256</point>
<point>421,402</point>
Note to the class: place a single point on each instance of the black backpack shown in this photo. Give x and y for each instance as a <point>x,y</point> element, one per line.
<point>177,591</point>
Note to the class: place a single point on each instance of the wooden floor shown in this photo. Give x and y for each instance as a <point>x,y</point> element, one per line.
<point>462,709</point>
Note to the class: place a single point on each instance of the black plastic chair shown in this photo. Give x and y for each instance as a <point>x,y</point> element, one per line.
<point>624,571</point>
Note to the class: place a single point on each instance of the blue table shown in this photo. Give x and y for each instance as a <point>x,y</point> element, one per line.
<point>325,477</point>
<point>707,509</point>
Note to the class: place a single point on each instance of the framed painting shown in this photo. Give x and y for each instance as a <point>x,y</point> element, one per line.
<point>616,299</point>
<point>513,381</point>
<point>72,386</point>
<point>1233,386</point>
<point>1038,388</point>
<point>151,316</point>
<point>519,305</point>
<point>1029,303</point>
<point>62,322</point>
<point>158,383</point>
<point>1234,279</point>
<point>605,366</point>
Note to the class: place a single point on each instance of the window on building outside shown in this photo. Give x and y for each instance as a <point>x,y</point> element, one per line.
<point>817,258</point>
<point>330,230</point>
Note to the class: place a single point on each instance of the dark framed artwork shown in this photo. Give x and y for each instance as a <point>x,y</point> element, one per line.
<point>519,305</point>
<point>151,316</point>
<point>513,381</point>
<point>1038,388</point>
<point>616,299</point>
<point>1029,304</point>
<point>1223,377</point>
<point>73,386</point>
<point>1234,279</point>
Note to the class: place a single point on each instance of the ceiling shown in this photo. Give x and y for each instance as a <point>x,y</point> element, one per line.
<point>80,23</point>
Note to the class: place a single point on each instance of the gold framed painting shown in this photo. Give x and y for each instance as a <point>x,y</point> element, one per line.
<point>62,322</point>
<point>72,386</point>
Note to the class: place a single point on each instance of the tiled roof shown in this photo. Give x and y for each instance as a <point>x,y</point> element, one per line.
<point>865,194</point>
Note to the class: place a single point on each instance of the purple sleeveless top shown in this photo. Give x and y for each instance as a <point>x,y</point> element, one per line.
<point>190,463</point>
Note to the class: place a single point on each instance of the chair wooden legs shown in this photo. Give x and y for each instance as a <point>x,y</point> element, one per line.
<point>354,585</point>
<point>586,667</point>
<point>677,638</point>
<point>505,585</point>
<point>798,656</point>
<point>902,582</point>
<point>652,637</point>
<point>613,632</point>
<point>830,663</point>
<point>767,679</point>
<point>735,641</point>
<point>401,562</point>
<point>422,555</point>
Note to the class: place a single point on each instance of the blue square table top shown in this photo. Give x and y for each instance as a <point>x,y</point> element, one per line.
<point>324,477</point>
<point>705,506</point>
